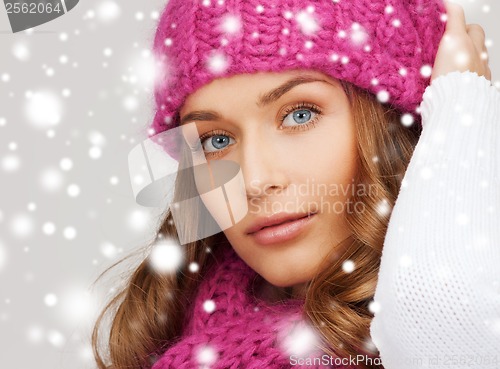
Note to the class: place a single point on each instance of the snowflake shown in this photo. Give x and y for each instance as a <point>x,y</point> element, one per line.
<point>209,306</point>
<point>48,228</point>
<point>11,163</point>
<point>166,256</point>
<point>407,120</point>
<point>56,338</point>
<point>348,266</point>
<point>231,24</point>
<point>50,300</point>
<point>300,340</point>
<point>66,164</point>
<point>206,356</point>
<point>217,63</point>
<point>73,190</point>
<point>95,152</point>
<point>374,307</point>
<point>383,96</point>
<point>108,11</point>
<point>426,71</point>
<point>21,51</point>
<point>194,267</point>
<point>43,109</point>
<point>130,103</point>
<point>22,225</point>
<point>51,179</point>
<point>69,233</point>
<point>3,257</point>
<point>307,23</point>
<point>358,34</point>
<point>383,208</point>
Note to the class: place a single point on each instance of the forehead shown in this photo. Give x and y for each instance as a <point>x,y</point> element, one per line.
<point>250,85</point>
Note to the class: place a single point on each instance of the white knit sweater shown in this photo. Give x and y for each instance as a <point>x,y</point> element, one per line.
<point>438,294</point>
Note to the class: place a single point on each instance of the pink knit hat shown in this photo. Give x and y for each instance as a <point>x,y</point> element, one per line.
<point>384,46</point>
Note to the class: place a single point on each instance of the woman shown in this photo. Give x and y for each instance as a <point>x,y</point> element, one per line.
<point>321,96</point>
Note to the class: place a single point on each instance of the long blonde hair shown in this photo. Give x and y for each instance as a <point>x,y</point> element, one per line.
<point>148,313</point>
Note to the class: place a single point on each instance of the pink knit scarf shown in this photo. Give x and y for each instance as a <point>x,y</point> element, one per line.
<point>229,328</point>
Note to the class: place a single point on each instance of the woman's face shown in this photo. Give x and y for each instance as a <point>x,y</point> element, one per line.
<point>293,136</point>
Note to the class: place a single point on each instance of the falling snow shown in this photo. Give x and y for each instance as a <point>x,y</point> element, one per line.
<point>48,228</point>
<point>209,306</point>
<point>194,267</point>
<point>166,256</point>
<point>231,24</point>
<point>217,63</point>
<point>43,109</point>
<point>374,307</point>
<point>3,257</point>
<point>307,23</point>
<point>108,11</point>
<point>383,208</point>
<point>426,71</point>
<point>358,34</point>
<point>383,96</point>
<point>69,233</point>
<point>348,266</point>
<point>206,356</point>
<point>50,300</point>
<point>21,51</point>
<point>300,340</point>
<point>407,120</point>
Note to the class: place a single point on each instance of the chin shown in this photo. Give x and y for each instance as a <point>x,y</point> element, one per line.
<point>282,280</point>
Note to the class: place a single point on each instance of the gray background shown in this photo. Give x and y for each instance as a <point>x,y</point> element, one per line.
<point>60,224</point>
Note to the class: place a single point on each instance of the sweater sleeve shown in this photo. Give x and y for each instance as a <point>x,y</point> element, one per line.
<point>437,300</point>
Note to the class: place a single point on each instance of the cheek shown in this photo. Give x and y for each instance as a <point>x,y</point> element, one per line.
<point>327,158</point>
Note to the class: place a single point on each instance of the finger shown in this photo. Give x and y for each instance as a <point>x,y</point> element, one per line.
<point>477,35</point>
<point>455,18</point>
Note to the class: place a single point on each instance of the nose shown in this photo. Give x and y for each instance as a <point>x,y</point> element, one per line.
<point>263,167</point>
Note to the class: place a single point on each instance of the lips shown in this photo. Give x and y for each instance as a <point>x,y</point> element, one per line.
<point>275,219</point>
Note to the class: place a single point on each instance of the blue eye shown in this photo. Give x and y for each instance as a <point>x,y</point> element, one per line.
<point>216,142</point>
<point>299,116</point>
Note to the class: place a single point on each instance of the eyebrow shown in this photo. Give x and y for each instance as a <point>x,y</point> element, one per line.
<point>266,99</point>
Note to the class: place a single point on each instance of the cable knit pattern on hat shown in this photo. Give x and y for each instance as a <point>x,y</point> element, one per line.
<point>380,46</point>
<point>241,331</point>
